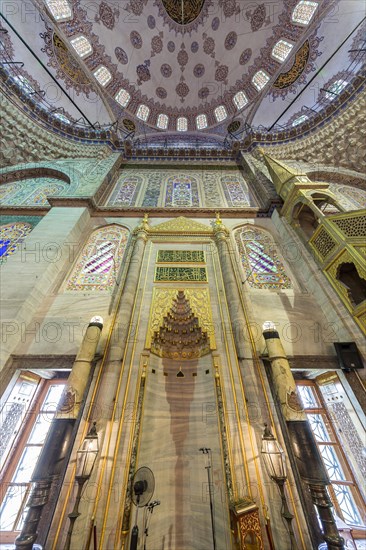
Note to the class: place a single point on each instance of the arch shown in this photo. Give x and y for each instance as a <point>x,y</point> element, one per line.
<point>182,191</point>
<point>39,172</point>
<point>327,203</point>
<point>31,192</point>
<point>305,217</point>
<point>11,236</point>
<point>355,285</point>
<point>336,176</point>
<point>100,260</point>
<point>259,258</point>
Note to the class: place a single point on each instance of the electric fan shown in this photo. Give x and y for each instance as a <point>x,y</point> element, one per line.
<point>143,485</point>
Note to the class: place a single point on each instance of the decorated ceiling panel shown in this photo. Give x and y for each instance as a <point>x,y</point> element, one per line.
<point>191,66</point>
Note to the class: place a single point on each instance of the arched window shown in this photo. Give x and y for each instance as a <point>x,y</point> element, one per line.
<point>11,235</point>
<point>259,258</point>
<point>100,260</point>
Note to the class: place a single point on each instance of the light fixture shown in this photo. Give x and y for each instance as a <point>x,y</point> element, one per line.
<point>85,460</point>
<point>275,463</point>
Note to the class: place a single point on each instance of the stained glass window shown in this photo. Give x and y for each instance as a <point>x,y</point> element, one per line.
<point>162,122</point>
<point>304,11</point>
<point>335,89</point>
<point>281,50</point>
<point>16,474</point>
<point>11,235</point>
<point>24,84</point>
<point>343,490</point>
<point>182,124</point>
<point>100,260</point>
<point>123,97</point>
<point>220,113</point>
<point>103,75</point>
<point>143,112</point>
<point>61,117</point>
<point>299,120</point>
<point>201,122</point>
<point>260,79</point>
<point>60,9</point>
<point>82,46</point>
<point>259,258</point>
<point>240,100</point>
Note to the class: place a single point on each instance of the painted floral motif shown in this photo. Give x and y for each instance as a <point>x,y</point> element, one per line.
<point>303,64</point>
<point>161,93</point>
<point>121,55</point>
<point>213,198</point>
<point>230,40</point>
<point>229,7</point>
<point>151,22</point>
<point>356,52</point>
<point>67,68</point>
<point>136,40</point>
<point>199,70</point>
<point>156,44</point>
<point>29,192</point>
<point>126,190</point>
<point>182,191</point>
<point>194,14</point>
<point>143,72</point>
<point>257,17</point>
<point>153,188</point>
<point>182,58</point>
<point>349,197</point>
<point>236,191</point>
<point>11,236</point>
<point>208,45</point>
<point>182,90</point>
<point>215,23</point>
<point>136,6</point>
<point>166,70</point>
<point>100,260</point>
<point>194,47</point>
<point>170,46</point>
<point>221,73</point>
<point>107,16</point>
<point>203,92</point>
<point>245,56</point>
<point>259,259</point>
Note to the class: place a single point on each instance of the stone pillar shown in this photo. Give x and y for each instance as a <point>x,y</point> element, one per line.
<point>129,292</point>
<point>59,440</point>
<point>305,450</point>
<point>231,288</point>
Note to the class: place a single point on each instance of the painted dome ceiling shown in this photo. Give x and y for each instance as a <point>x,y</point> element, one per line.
<point>172,66</point>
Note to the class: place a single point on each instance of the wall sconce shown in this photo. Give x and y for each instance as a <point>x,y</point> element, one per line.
<point>275,463</point>
<point>85,460</point>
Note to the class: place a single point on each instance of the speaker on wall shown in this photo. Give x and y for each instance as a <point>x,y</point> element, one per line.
<point>348,355</point>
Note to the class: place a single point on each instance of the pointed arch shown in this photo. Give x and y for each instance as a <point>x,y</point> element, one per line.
<point>100,260</point>
<point>259,259</point>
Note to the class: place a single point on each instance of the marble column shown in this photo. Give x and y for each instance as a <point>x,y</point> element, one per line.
<point>59,439</point>
<point>129,294</point>
<point>231,288</point>
<point>305,450</point>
